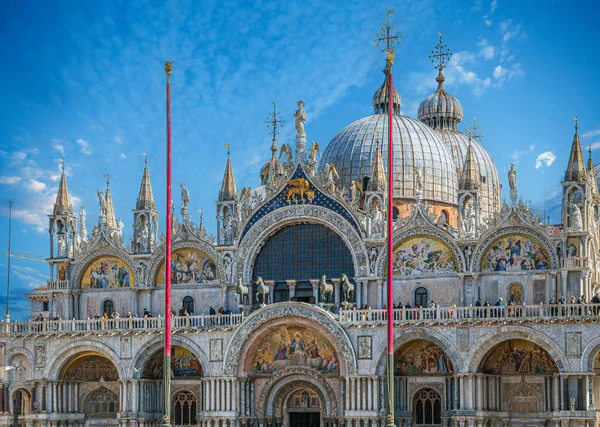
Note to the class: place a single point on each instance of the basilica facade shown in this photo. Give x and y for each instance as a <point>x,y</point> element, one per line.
<point>280,318</point>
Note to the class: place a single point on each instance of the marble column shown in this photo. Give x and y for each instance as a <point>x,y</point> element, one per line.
<point>380,293</point>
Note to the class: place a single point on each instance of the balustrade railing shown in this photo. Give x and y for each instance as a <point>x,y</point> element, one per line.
<point>57,285</point>
<point>574,262</point>
<point>147,324</point>
<point>449,315</point>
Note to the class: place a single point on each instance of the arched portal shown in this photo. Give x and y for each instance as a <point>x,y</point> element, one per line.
<point>184,364</point>
<point>184,408</point>
<point>21,402</point>
<point>427,408</point>
<point>303,409</point>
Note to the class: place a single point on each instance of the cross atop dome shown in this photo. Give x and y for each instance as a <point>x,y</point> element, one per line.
<point>441,54</point>
<point>390,40</point>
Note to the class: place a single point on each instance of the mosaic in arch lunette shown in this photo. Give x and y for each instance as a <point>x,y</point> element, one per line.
<point>422,254</point>
<point>89,367</point>
<point>420,357</point>
<point>188,265</point>
<point>294,346</point>
<point>107,272</point>
<point>184,364</point>
<point>518,357</point>
<point>515,252</point>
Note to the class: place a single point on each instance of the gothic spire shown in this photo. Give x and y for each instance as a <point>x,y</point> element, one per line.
<point>145,199</point>
<point>576,169</point>
<point>590,163</point>
<point>111,221</point>
<point>378,179</point>
<point>228,189</point>
<point>469,179</point>
<point>63,205</point>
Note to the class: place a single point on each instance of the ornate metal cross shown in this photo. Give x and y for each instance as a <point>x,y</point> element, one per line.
<point>441,54</point>
<point>389,38</point>
<point>274,119</point>
<point>475,131</point>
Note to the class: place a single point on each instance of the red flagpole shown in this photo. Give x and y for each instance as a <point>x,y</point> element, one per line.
<point>390,250</point>
<point>166,421</point>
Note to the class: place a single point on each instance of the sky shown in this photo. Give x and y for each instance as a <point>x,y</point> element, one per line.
<point>85,81</point>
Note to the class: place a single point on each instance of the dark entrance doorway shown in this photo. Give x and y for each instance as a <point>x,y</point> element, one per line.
<point>305,419</point>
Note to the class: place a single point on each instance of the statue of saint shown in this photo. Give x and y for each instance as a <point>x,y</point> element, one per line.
<point>512,178</point>
<point>418,176</point>
<point>576,221</point>
<point>376,220</point>
<point>102,202</point>
<point>469,219</point>
<point>300,115</point>
<point>185,197</point>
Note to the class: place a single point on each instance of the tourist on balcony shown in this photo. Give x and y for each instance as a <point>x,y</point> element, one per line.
<point>146,313</point>
<point>595,300</point>
<point>431,314</point>
<point>581,300</point>
<point>173,313</point>
<point>553,310</point>
<point>129,315</point>
<point>499,311</point>
<point>573,309</point>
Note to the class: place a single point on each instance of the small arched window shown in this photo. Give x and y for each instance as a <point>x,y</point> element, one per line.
<point>108,307</point>
<point>184,409</point>
<point>421,297</point>
<point>101,403</point>
<point>428,408</point>
<point>188,304</point>
<point>395,213</point>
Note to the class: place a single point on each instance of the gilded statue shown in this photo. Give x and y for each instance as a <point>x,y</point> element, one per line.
<point>300,187</point>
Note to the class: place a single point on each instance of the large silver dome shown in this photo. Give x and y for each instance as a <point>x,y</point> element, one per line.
<point>458,143</point>
<point>352,151</point>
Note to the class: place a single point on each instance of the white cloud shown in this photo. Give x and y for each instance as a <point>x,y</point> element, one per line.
<point>502,74</point>
<point>493,6</point>
<point>591,133</point>
<point>58,146</point>
<point>10,180</point>
<point>516,155</point>
<point>118,139</point>
<point>84,146</point>
<point>545,159</point>
<point>486,51</point>
<point>36,186</point>
<point>595,145</point>
<point>123,156</point>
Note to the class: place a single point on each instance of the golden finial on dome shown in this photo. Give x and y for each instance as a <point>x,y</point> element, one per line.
<point>168,68</point>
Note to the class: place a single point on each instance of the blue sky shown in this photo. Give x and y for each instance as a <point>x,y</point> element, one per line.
<point>85,81</point>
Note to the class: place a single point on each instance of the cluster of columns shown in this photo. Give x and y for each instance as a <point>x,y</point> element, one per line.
<point>220,394</point>
<point>364,393</point>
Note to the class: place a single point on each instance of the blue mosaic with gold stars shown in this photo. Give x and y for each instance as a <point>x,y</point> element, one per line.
<point>320,199</point>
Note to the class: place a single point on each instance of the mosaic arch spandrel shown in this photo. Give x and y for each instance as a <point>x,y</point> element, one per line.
<point>293,346</point>
<point>421,357</point>
<point>515,252</point>
<point>184,364</point>
<point>518,357</point>
<point>89,367</point>
<point>422,255</point>
<point>107,272</point>
<point>189,265</point>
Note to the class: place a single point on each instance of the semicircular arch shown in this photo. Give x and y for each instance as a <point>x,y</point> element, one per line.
<point>272,316</point>
<point>268,225</point>
<point>158,259</point>
<point>291,379</point>
<point>145,353</point>
<point>404,336</point>
<point>589,353</point>
<point>111,253</point>
<point>478,353</point>
<point>14,351</point>
<point>53,369</point>
<point>432,237</point>
<point>540,248</point>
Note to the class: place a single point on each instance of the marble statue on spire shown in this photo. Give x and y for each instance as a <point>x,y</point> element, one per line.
<point>300,115</point>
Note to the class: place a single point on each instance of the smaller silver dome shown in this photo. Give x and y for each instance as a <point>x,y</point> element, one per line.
<point>441,110</point>
<point>271,169</point>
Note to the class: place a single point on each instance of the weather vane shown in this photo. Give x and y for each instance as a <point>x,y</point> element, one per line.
<point>62,161</point>
<point>389,38</point>
<point>228,150</point>
<point>107,179</point>
<point>145,156</point>
<point>274,119</point>
<point>475,131</point>
<point>576,119</point>
<point>441,54</point>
